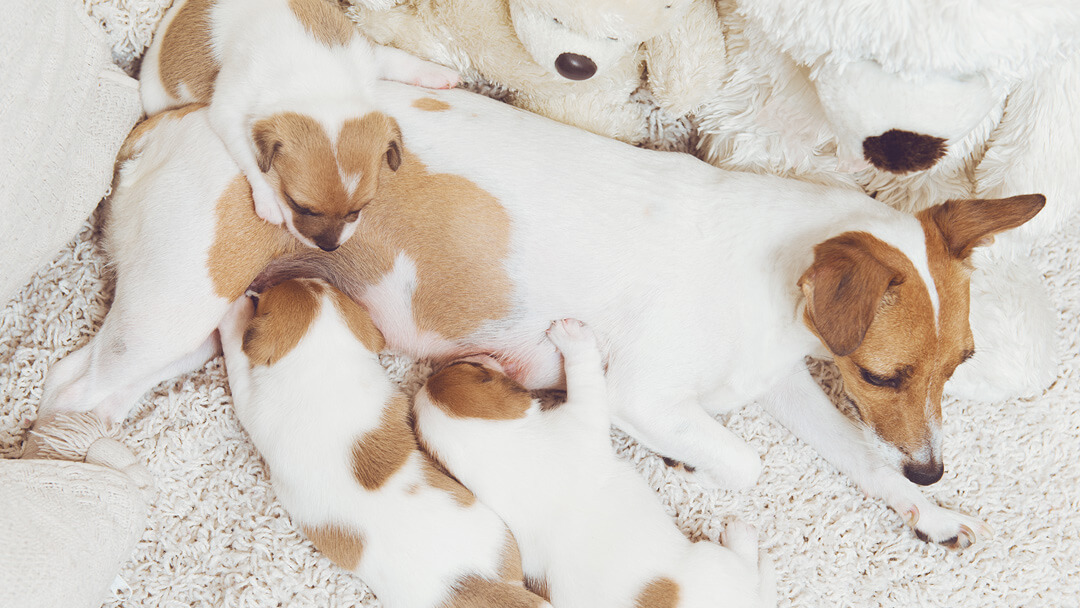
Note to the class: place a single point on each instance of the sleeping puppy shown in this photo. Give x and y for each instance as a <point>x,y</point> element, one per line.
<point>592,533</point>
<point>334,431</point>
<point>289,83</point>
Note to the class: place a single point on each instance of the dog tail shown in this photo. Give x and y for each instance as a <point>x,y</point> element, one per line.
<point>337,270</point>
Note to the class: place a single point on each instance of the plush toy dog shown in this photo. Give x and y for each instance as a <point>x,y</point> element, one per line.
<point>917,102</point>
<point>576,62</point>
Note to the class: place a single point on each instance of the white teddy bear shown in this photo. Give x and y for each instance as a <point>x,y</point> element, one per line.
<point>581,63</point>
<point>917,102</point>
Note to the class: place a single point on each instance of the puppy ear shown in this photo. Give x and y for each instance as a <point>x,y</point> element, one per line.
<point>843,288</point>
<point>966,224</point>
<point>393,151</point>
<point>267,143</point>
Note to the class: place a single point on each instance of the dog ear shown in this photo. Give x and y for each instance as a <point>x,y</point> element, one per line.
<point>970,223</point>
<point>393,151</point>
<point>843,288</point>
<point>267,143</point>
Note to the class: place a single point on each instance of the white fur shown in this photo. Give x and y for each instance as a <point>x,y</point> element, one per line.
<point>587,524</point>
<point>269,63</point>
<point>305,413</point>
<point>667,257</point>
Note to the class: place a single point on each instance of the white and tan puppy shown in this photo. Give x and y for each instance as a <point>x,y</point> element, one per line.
<point>289,83</point>
<point>592,534</point>
<point>711,287</point>
<point>334,430</point>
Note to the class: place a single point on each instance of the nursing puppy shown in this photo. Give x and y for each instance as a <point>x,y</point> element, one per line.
<point>592,534</point>
<point>334,431</point>
<point>289,83</point>
<point>499,221</point>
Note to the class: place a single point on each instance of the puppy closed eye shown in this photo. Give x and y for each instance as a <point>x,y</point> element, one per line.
<point>351,217</point>
<point>893,381</point>
<point>298,208</point>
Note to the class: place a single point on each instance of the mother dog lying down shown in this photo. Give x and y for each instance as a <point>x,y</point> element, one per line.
<point>710,287</point>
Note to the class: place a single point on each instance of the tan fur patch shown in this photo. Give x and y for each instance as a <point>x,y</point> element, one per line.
<point>468,390</point>
<point>382,452</point>
<point>660,593</point>
<point>437,477</point>
<point>539,586</point>
<point>243,243</point>
<point>359,321</point>
<point>187,56</point>
<point>430,104</point>
<point>510,570</point>
<point>345,548</point>
<point>324,22</point>
<point>282,318</point>
<point>475,592</point>
<point>131,145</point>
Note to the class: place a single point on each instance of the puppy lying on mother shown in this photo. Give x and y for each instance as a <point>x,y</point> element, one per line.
<point>711,287</point>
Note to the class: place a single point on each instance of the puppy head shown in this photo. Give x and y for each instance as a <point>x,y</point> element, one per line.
<point>579,40</point>
<point>895,338</point>
<point>326,178</point>
<point>476,387</point>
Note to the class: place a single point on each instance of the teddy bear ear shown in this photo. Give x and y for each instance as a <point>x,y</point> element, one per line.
<point>687,64</point>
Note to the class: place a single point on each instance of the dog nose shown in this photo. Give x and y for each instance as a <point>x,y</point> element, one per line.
<point>924,474</point>
<point>575,67</point>
<point>328,246</point>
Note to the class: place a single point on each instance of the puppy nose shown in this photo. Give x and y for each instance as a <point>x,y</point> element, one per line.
<point>926,473</point>
<point>575,67</point>
<point>328,246</point>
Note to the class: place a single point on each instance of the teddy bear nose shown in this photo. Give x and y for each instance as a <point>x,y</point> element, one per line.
<point>575,67</point>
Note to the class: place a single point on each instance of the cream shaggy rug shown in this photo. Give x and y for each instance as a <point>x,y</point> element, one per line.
<point>218,538</point>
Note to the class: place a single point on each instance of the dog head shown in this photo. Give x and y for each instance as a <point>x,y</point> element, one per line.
<point>323,177</point>
<point>476,387</point>
<point>897,323</point>
<point>580,40</point>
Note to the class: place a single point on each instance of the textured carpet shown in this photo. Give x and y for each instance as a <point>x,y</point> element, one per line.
<point>218,538</point>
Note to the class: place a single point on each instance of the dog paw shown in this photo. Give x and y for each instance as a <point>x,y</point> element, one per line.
<point>435,76</point>
<point>266,204</point>
<point>236,319</point>
<point>737,473</point>
<point>570,335</point>
<point>947,528</point>
<point>742,538</point>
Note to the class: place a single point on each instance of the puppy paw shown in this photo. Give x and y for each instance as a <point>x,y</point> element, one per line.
<point>435,76</point>
<point>266,203</point>
<point>236,319</point>
<point>570,335</point>
<point>733,476</point>
<point>742,538</point>
<point>948,528</point>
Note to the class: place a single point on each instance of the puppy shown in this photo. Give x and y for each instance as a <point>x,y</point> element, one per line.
<point>335,433</point>
<point>499,221</point>
<point>592,533</point>
<point>289,83</point>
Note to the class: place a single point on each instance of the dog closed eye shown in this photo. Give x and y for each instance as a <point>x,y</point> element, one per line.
<point>300,209</point>
<point>893,381</point>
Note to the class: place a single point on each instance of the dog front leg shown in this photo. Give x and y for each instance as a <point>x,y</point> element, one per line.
<point>395,64</point>
<point>714,456</point>
<point>801,406</point>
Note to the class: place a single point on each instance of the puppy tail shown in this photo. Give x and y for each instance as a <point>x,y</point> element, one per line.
<point>336,270</point>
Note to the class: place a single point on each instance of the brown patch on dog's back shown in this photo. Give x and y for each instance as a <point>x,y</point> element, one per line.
<point>430,104</point>
<point>359,322</point>
<point>469,390</point>
<point>323,21</point>
<point>282,317</point>
<point>187,56</point>
<point>345,548</point>
<point>380,453</point>
<point>243,243</point>
<point>457,234</point>
<point>903,151</point>
<point>660,593</point>
<point>439,478</point>
<point>131,145</point>
<point>475,592</point>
